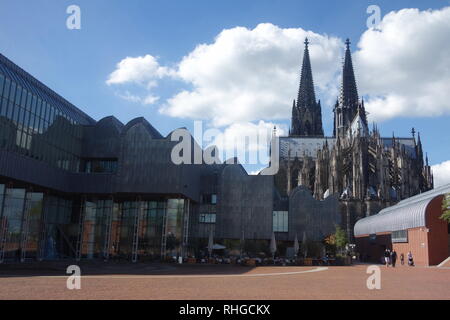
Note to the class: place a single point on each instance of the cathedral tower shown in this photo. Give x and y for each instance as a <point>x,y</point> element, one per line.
<point>306,113</point>
<point>347,106</point>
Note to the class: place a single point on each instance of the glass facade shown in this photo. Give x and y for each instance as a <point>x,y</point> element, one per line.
<point>59,230</point>
<point>131,228</point>
<point>174,226</point>
<point>96,228</point>
<point>280,221</point>
<point>151,228</point>
<point>13,206</point>
<point>129,211</point>
<point>20,218</point>
<point>31,225</point>
<point>46,227</point>
<point>36,122</point>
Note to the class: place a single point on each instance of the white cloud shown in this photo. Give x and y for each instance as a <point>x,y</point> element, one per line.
<point>441,173</point>
<point>144,70</point>
<point>129,97</point>
<point>255,172</point>
<point>149,99</point>
<point>404,66</point>
<point>246,140</point>
<point>247,75</point>
<point>254,133</point>
<point>251,74</point>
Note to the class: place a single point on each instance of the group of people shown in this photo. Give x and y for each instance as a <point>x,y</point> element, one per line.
<point>390,258</point>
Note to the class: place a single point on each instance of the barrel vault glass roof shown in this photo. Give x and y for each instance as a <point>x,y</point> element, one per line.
<point>27,81</point>
<point>407,214</point>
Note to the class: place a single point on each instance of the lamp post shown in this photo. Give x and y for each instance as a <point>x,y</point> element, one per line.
<point>273,246</point>
<point>296,246</point>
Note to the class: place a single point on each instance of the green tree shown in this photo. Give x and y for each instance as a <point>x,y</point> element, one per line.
<point>340,238</point>
<point>446,208</point>
<point>330,243</point>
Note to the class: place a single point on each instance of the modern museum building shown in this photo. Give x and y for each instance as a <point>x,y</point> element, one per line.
<point>72,187</point>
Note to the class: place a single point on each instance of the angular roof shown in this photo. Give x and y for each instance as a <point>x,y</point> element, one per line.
<point>407,214</point>
<point>141,120</point>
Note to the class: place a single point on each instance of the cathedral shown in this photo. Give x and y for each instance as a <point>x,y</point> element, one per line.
<point>368,172</point>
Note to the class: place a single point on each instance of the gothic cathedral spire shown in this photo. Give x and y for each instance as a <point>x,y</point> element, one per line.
<point>348,105</point>
<point>306,96</point>
<point>349,92</point>
<point>307,113</point>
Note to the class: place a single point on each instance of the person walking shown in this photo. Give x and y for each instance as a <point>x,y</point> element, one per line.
<point>410,259</point>
<point>387,256</point>
<point>402,259</point>
<point>393,258</point>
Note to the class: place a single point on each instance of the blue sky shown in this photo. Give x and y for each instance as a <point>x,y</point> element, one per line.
<point>77,63</point>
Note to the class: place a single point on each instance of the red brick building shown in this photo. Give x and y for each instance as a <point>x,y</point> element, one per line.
<point>411,225</point>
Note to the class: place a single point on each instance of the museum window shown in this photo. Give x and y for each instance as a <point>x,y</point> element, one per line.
<point>151,225</point>
<point>209,198</point>
<point>12,218</point>
<point>399,236</point>
<point>98,215</point>
<point>174,217</point>
<point>280,221</point>
<point>207,218</point>
<point>100,166</point>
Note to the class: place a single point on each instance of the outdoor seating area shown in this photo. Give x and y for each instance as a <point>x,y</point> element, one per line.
<point>253,262</point>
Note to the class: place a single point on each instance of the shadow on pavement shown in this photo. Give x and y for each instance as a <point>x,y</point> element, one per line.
<point>58,268</point>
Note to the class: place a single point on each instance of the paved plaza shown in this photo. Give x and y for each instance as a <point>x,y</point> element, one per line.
<point>227,282</point>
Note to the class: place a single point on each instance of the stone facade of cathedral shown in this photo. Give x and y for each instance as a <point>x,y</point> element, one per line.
<point>366,171</point>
